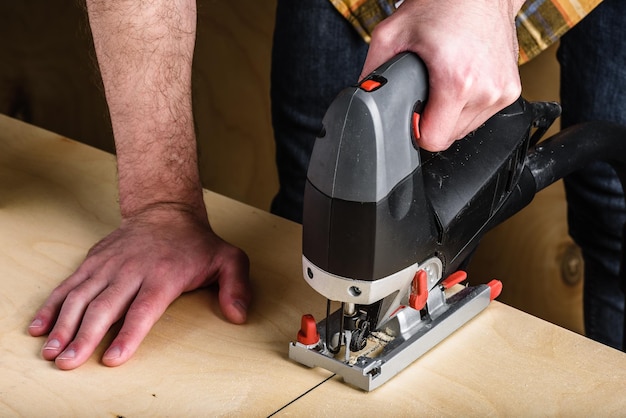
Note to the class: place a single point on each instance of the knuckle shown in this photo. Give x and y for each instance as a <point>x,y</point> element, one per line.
<point>143,308</point>
<point>382,32</point>
<point>82,340</point>
<point>128,268</point>
<point>130,337</point>
<point>59,293</point>
<point>101,305</point>
<point>493,97</point>
<point>125,335</point>
<point>385,34</point>
<point>483,91</point>
<point>76,296</point>
<point>512,90</point>
<point>236,257</point>
<point>506,91</point>
<point>239,255</point>
<point>463,84</point>
<point>165,266</point>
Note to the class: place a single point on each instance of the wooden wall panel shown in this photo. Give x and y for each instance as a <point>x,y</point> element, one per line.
<point>47,70</point>
<point>48,78</point>
<point>231,99</point>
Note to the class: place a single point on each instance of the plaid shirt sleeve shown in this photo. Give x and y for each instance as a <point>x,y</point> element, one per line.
<point>539,24</point>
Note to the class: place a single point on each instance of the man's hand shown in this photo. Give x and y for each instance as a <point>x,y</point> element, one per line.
<point>164,245</point>
<point>135,273</point>
<point>471,52</point>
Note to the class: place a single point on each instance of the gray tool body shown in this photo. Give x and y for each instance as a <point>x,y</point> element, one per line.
<point>387,225</point>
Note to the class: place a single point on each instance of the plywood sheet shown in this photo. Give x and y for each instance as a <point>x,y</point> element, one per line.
<point>57,198</point>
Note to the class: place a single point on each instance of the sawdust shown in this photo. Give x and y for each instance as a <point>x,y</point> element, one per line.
<point>376,342</point>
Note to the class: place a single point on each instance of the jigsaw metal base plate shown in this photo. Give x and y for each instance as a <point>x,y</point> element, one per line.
<point>399,342</point>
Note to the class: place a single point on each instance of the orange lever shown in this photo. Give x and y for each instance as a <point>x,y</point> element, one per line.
<point>419,290</point>
<point>496,288</point>
<point>454,279</point>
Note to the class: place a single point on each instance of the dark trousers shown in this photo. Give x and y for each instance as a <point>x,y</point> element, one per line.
<point>593,87</point>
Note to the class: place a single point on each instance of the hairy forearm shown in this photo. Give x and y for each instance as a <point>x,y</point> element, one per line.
<point>145,50</point>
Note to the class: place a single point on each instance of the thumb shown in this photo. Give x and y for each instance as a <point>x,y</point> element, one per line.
<point>379,52</point>
<point>235,290</point>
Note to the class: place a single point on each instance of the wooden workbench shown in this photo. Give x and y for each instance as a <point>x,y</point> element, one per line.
<point>58,197</point>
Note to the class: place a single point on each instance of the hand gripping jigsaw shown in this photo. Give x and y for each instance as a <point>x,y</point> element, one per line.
<point>387,226</point>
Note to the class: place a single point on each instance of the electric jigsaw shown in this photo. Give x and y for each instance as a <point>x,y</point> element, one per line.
<point>387,226</point>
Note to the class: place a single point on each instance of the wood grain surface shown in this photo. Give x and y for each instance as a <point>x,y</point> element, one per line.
<point>57,198</point>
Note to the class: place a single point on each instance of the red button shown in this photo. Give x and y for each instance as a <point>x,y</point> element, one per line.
<point>370,85</point>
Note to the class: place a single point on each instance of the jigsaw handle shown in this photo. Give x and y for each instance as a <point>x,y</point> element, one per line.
<point>367,142</point>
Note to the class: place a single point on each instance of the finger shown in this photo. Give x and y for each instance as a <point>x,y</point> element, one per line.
<point>105,309</point>
<point>235,290</point>
<point>47,314</point>
<point>439,120</point>
<point>144,311</point>
<point>70,316</point>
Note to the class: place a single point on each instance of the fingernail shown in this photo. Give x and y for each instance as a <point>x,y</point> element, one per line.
<point>37,323</point>
<point>68,354</point>
<point>242,308</point>
<point>53,344</point>
<point>112,353</point>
